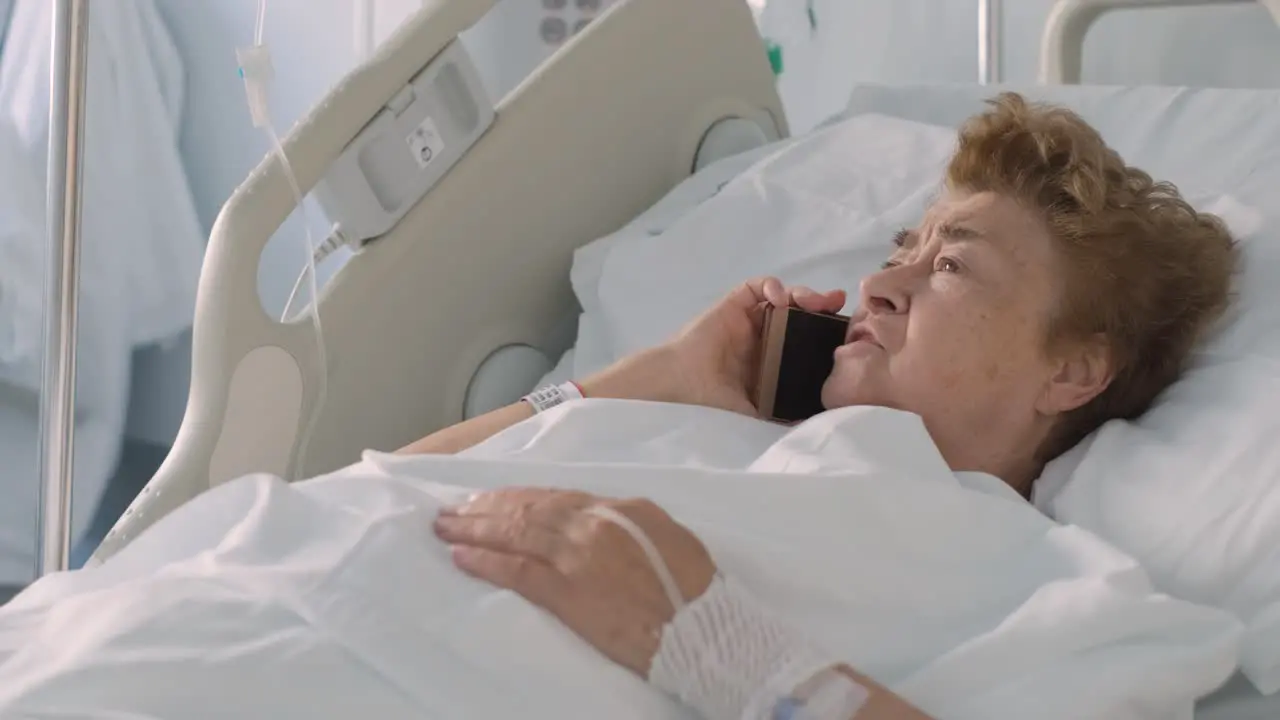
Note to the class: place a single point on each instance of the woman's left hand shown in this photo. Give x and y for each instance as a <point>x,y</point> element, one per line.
<point>582,568</point>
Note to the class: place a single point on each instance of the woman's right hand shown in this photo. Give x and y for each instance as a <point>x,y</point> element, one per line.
<point>717,355</point>
<point>713,360</point>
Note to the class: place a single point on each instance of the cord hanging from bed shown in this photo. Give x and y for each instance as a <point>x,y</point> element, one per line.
<point>258,73</point>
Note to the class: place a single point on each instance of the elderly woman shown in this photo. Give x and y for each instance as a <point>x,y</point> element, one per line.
<point>1049,289</point>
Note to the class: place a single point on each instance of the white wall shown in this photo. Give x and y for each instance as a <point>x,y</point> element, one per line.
<point>906,41</point>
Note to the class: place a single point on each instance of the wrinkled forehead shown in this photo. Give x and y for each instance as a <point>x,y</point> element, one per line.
<point>981,208</point>
<point>997,219</point>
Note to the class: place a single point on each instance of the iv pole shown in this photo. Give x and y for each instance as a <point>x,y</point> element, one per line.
<point>57,407</point>
<point>990,39</point>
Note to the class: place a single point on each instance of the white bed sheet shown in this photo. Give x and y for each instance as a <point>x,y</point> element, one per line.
<point>1238,700</point>
<point>331,598</point>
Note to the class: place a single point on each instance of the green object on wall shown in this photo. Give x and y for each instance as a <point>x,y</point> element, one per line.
<point>775,56</point>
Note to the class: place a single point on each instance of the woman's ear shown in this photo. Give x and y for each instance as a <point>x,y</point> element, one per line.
<point>1083,371</point>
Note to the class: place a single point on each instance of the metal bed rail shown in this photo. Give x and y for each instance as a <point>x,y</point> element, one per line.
<point>990,41</point>
<point>57,407</point>
<point>1062,44</point>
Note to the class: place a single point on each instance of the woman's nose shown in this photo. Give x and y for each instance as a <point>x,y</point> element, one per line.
<point>884,292</point>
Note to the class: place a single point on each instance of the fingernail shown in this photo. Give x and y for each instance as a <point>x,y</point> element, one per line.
<point>460,554</point>
<point>456,507</point>
<point>441,526</point>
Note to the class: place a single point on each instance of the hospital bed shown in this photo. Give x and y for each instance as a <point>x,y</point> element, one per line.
<point>254,380</point>
<point>486,309</point>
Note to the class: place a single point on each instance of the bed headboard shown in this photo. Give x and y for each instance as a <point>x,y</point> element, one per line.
<point>1062,42</point>
<point>598,133</point>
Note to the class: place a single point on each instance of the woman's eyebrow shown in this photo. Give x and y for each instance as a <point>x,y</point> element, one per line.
<point>953,231</point>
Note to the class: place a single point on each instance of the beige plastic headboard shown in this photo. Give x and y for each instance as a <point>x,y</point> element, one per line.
<point>600,132</point>
<point>1062,45</point>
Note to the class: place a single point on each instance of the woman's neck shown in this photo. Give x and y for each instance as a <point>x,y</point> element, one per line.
<point>1015,463</point>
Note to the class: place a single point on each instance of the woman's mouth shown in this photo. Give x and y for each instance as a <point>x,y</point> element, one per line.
<point>860,338</point>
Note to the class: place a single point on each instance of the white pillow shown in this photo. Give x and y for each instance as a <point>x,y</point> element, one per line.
<point>835,196</point>
<point>593,349</point>
<point>1192,489</point>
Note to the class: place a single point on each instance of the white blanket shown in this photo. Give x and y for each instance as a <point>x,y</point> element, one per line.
<point>332,599</point>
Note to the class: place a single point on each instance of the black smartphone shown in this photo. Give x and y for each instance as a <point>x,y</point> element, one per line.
<point>797,354</point>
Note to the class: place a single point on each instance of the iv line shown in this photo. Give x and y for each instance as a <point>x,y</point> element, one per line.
<point>257,71</point>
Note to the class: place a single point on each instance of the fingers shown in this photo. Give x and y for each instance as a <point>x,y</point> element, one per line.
<point>533,579</point>
<point>813,301</point>
<point>512,539</point>
<point>510,534</point>
<point>526,521</point>
<point>775,293</point>
<point>521,501</point>
<point>771,290</point>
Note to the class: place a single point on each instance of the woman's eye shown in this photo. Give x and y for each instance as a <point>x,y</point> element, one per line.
<point>888,264</point>
<point>947,265</point>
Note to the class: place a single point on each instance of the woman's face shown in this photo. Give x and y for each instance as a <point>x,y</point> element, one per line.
<point>953,328</point>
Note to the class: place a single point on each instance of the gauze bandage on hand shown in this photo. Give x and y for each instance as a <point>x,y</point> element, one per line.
<point>727,657</point>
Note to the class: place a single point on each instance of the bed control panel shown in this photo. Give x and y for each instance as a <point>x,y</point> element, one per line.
<point>413,142</point>
<point>562,19</point>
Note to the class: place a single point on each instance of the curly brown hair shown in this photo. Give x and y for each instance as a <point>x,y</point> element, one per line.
<point>1143,270</point>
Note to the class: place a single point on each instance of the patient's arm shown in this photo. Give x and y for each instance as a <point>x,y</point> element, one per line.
<point>711,362</point>
<point>457,438</point>
<point>644,376</point>
<point>721,653</point>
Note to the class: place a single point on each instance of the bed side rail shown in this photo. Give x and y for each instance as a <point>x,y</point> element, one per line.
<point>604,128</point>
<point>233,335</point>
<point>1062,44</point>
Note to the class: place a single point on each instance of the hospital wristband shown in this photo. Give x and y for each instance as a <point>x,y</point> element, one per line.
<point>727,657</point>
<point>545,398</point>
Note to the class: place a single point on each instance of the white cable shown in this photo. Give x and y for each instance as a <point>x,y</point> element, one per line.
<point>669,586</point>
<point>364,28</point>
<point>258,73</point>
<point>260,24</point>
<point>336,240</point>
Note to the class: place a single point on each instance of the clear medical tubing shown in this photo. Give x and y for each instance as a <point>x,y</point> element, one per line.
<point>57,407</point>
<point>258,75</point>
